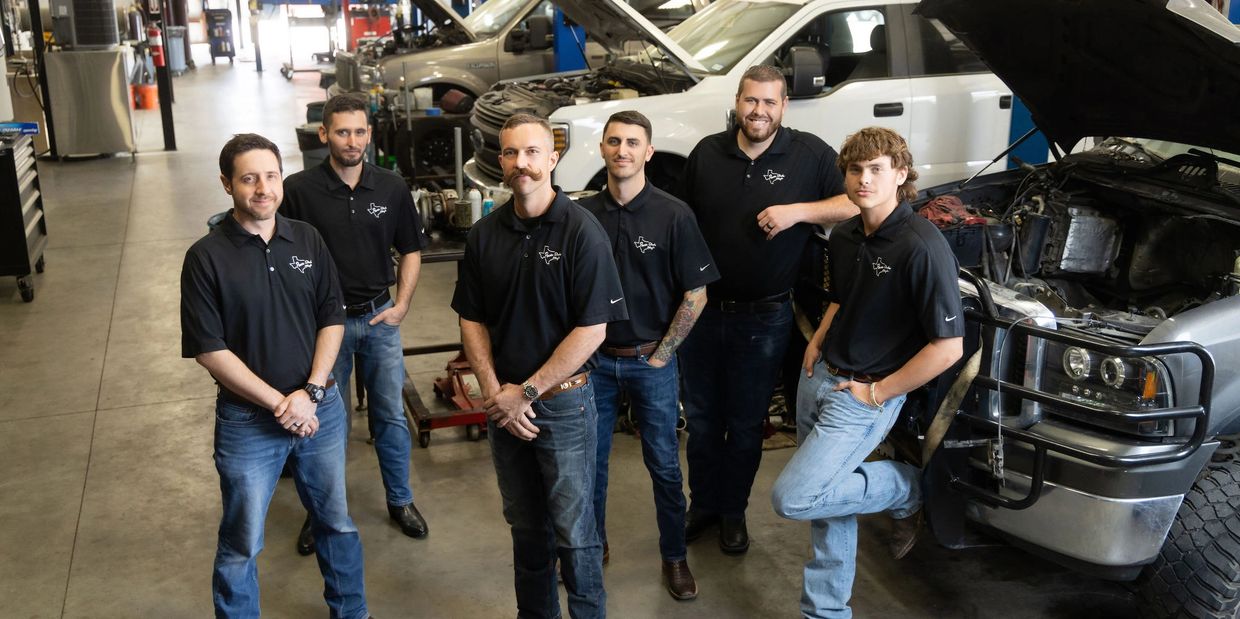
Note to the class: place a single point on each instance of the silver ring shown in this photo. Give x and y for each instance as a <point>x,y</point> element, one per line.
<point>296,424</point>
<point>769,227</point>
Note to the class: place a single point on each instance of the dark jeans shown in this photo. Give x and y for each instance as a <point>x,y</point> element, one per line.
<point>730,363</point>
<point>654,394</point>
<point>547,486</point>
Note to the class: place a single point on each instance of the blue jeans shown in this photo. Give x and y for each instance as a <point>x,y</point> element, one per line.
<point>828,483</point>
<point>730,364</point>
<point>383,374</point>
<point>654,397</point>
<point>250,451</point>
<point>546,489</point>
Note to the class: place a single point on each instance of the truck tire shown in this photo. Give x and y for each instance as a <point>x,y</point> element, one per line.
<point>1197,572</point>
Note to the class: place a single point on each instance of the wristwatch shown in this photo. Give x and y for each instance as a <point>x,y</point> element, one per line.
<point>317,392</point>
<point>529,391</point>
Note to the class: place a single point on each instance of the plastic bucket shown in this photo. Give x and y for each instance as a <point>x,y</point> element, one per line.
<point>145,96</point>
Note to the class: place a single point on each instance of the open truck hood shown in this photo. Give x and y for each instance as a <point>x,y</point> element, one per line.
<point>613,22</point>
<point>1161,69</point>
<point>443,15</point>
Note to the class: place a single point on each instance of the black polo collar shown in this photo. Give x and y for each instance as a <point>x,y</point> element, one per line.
<point>555,213</point>
<point>238,235</point>
<point>638,201</point>
<point>334,182</point>
<point>890,228</point>
<point>779,145</point>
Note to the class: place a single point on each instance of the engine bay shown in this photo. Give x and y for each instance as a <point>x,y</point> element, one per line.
<point>1107,255</point>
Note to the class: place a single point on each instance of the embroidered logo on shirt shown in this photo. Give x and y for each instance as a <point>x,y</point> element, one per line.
<point>615,301</point>
<point>548,255</point>
<point>300,265</point>
<point>880,267</point>
<point>950,318</point>
<point>643,245</point>
<point>703,267</point>
<point>772,176</point>
<point>376,210</point>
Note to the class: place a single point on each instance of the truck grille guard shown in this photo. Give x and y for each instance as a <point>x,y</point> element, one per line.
<point>989,321</point>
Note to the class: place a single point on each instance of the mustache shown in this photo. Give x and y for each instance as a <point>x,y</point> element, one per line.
<point>534,173</point>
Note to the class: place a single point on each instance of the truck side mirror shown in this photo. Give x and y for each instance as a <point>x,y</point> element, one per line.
<point>539,32</point>
<point>808,72</point>
<point>535,34</point>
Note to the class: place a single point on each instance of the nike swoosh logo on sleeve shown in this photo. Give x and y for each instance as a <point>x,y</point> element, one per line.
<point>615,301</point>
<point>949,319</point>
<point>703,268</point>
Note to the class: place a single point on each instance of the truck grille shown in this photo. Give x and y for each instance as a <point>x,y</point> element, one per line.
<point>486,122</point>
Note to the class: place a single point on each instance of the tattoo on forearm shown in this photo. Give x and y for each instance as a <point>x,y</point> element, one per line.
<point>682,324</point>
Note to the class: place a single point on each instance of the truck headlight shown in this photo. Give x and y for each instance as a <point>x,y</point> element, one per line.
<point>1076,362</point>
<point>559,136</point>
<point>1112,372</point>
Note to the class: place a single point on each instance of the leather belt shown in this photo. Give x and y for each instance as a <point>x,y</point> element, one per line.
<point>369,307</point>
<point>860,377</point>
<point>642,350</point>
<point>572,382</point>
<point>756,306</point>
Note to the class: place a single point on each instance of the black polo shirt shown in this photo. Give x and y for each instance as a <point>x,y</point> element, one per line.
<point>533,281</point>
<point>660,254</point>
<point>265,302</point>
<point>727,190</point>
<point>897,290</point>
<point>359,224</point>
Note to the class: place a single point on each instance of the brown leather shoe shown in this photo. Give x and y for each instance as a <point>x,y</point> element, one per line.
<point>679,580</point>
<point>904,534</point>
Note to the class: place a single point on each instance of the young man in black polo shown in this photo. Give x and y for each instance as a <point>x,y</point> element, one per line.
<point>894,323</point>
<point>535,292</point>
<point>756,191</point>
<point>664,268</point>
<point>363,211</point>
<point>261,310</point>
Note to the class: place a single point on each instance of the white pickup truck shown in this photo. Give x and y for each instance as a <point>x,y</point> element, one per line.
<point>850,64</point>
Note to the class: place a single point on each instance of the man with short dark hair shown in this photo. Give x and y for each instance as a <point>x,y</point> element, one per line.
<point>756,191</point>
<point>363,211</point>
<point>894,323</point>
<point>535,292</point>
<point>664,268</point>
<point>261,311</point>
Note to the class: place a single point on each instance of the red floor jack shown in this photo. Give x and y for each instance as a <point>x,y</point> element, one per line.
<point>458,387</point>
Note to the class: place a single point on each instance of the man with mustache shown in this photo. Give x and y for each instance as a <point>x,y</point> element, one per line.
<point>535,292</point>
<point>363,211</point>
<point>664,268</point>
<point>261,311</point>
<point>756,190</point>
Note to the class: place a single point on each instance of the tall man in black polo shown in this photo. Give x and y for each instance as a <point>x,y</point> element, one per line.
<point>664,268</point>
<point>363,211</point>
<point>894,323</point>
<point>756,192</point>
<point>536,290</point>
<point>261,310</point>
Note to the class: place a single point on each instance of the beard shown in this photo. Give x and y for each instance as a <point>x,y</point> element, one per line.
<point>534,173</point>
<point>757,134</point>
<point>343,161</point>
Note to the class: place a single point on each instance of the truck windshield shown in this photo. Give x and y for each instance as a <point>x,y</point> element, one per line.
<point>724,32</point>
<point>489,18</point>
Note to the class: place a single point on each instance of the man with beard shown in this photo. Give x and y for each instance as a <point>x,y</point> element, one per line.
<point>664,268</point>
<point>261,311</point>
<point>756,191</point>
<point>535,292</point>
<point>363,211</point>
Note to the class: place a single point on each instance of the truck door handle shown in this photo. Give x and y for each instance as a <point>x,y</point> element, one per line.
<point>1005,102</point>
<point>888,109</point>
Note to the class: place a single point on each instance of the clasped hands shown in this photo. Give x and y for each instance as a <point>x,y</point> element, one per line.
<point>512,411</point>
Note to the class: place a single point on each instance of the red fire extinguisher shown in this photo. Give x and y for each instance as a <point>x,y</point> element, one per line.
<point>155,41</point>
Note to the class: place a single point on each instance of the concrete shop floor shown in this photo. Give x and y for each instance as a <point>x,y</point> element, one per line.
<point>109,500</point>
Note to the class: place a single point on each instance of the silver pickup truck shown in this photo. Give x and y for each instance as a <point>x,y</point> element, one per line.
<point>1097,422</point>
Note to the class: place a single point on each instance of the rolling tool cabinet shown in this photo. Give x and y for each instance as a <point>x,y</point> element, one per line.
<point>23,230</point>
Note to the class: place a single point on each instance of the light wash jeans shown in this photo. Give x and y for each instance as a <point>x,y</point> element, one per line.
<point>383,374</point>
<point>828,483</point>
<point>250,451</point>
